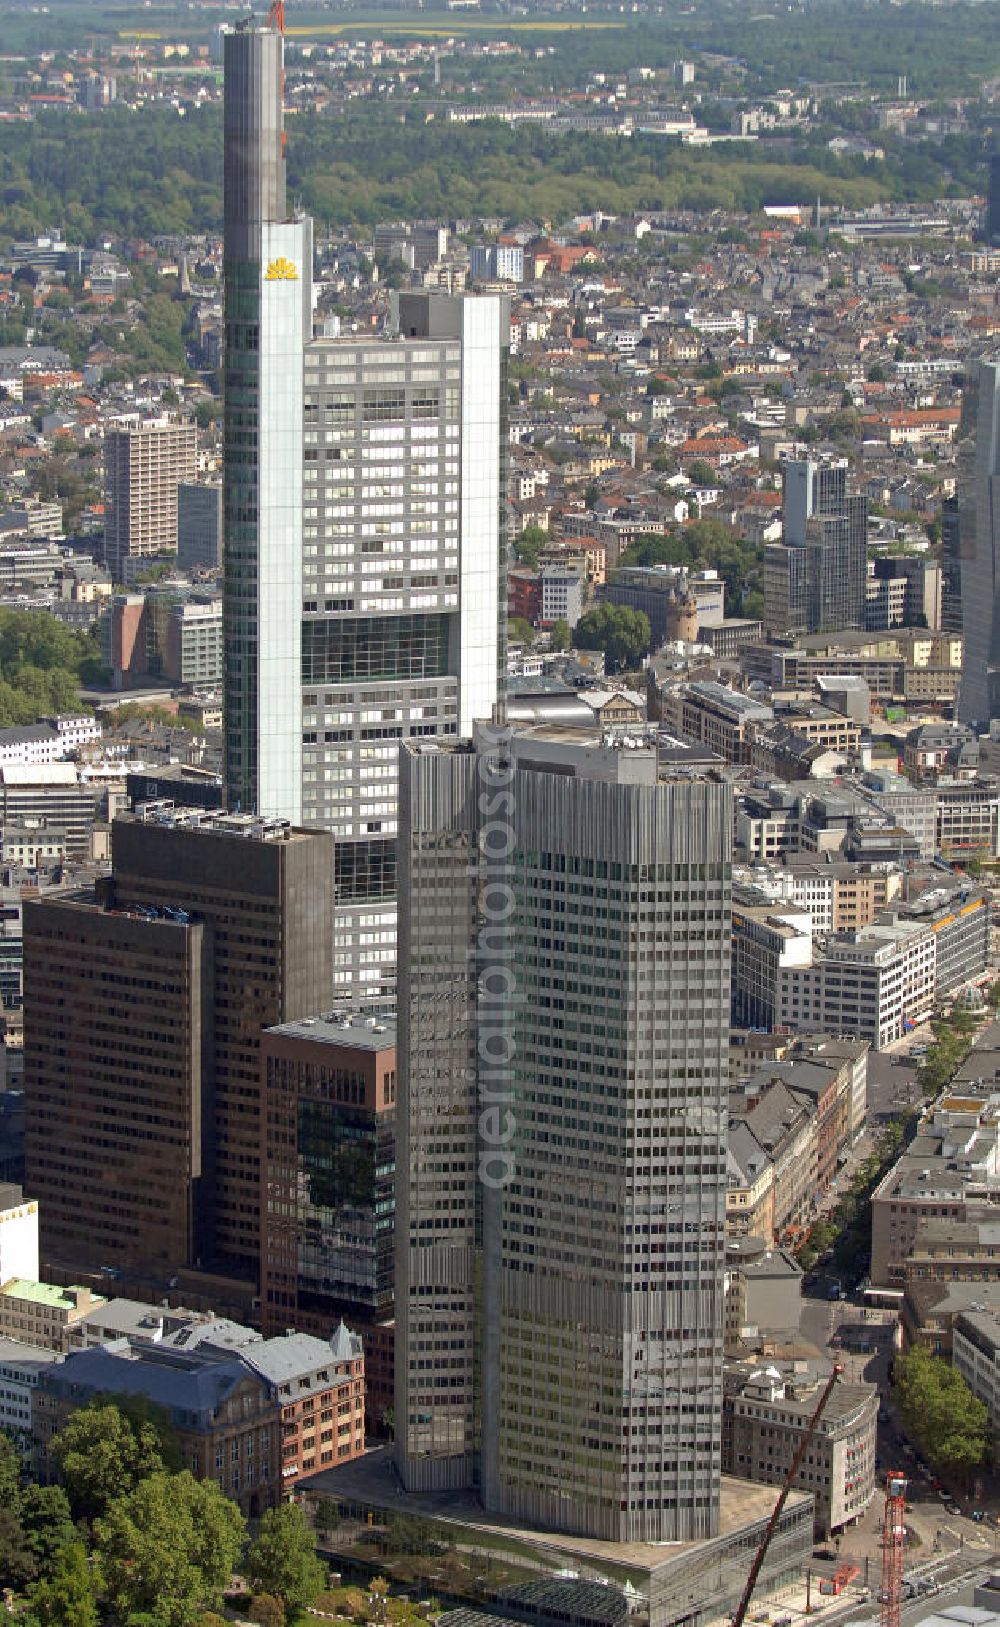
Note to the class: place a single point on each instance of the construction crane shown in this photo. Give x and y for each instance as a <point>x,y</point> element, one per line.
<point>772,1524</point>
<point>893,1539</point>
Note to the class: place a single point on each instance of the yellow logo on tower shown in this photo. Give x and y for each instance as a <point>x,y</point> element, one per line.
<point>281,270</point>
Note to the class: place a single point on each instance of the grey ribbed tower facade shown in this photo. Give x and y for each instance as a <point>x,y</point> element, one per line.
<point>268,317</point>
<point>979,543</point>
<point>564,996</point>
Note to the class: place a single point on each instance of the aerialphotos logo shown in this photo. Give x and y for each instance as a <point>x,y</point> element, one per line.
<point>281,270</point>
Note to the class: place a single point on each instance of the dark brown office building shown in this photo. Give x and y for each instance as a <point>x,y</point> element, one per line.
<point>115,1069</point>
<point>329,1167</point>
<point>259,892</point>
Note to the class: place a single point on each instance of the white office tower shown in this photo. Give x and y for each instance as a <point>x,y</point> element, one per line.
<point>979,544</point>
<point>402,590</point>
<point>561,1133</point>
<point>364,515</point>
<point>268,318</point>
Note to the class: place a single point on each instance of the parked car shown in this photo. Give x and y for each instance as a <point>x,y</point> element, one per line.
<point>979,1515</point>
<point>951,1507</point>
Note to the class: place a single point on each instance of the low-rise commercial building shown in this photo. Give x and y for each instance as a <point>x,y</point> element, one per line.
<point>952,1166</point>
<point>43,1313</point>
<point>763,1289</point>
<point>869,983</point>
<point>768,941</point>
<point>928,1311</point>
<point>975,1354</point>
<point>968,818</point>
<point>718,717</point>
<point>21,1366</point>
<point>767,1410</point>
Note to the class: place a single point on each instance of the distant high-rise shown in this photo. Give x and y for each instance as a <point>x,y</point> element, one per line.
<point>993,202</point>
<point>564,998</point>
<point>951,567</point>
<point>814,580</point>
<point>364,512</point>
<point>199,526</point>
<point>143,466</point>
<point>979,543</point>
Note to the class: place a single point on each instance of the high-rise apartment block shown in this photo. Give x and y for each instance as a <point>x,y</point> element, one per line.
<point>143,465</point>
<point>814,581</point>
<point>564,994</point>
<point>364,503</point>
<point>979,543</point>
<point>143,1013</point>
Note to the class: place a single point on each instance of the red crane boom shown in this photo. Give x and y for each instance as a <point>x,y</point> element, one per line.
<point>893,1539</point>
<point>765,1541</point>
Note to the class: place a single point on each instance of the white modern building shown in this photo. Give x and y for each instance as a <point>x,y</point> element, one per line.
<point>20,1367</point>
<point>18,1234</point>
<point>869,983</point>
<point>49,741</point>
<point>562,596</point>
<point>364,504</point>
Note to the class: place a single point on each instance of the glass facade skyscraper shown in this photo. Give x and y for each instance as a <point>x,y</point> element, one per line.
<point>814,581</point>
<point>979,543</point>
<point>365,499</point>
<point>561,1134</point>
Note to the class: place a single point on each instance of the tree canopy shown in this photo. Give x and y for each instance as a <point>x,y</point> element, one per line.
<point>103,1453</point>
<point>622,633</point>
<point>282,1559</point>
<point>42,665</point>
<point>167,1549</point>
<point>939,1411</point>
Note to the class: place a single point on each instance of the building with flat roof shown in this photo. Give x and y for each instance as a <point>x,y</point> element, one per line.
<point>763,1289</point>
<point>768,1409</point>
<point>118,1068</point>
<point>975,1353</point>
<point>210,927</point>
<point>43,1313</point>
<point>21,1366</point>
<point>719,717</point>
<point>552,1576</point>
<point>814,580</point>
<point>952,1166</point>
<point>869,983</point>
<point>143,466</point>
<point>199,525</point>
<point>978,491</point>
<point>552,1295</point>
<point>18,1233</point>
